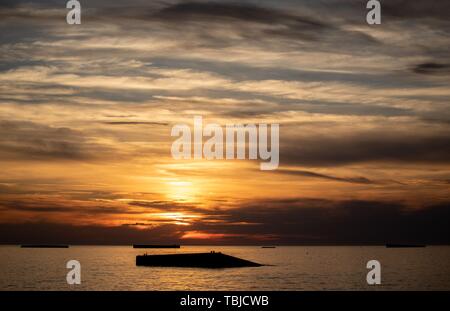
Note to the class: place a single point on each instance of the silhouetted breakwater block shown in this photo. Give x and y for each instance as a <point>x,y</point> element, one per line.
<point>155,246</point>
<point>198,260</point>
<point>43,246</point>
<point>404,245</point>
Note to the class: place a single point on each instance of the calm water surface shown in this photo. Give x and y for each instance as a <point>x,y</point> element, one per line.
<point>292,268</point>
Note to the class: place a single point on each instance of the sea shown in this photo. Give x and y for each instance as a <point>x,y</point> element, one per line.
<point>286,268</point>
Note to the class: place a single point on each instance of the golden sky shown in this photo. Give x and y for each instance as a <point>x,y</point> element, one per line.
<point>86,113</point>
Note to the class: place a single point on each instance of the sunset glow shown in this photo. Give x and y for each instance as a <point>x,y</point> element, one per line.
<point>86,114</point>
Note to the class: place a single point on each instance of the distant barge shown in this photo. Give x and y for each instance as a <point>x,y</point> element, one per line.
<point>43,246</point>
<point>156,246</point>
<point>196,260</point>
<point>404,245</point>
<point>268,246</point>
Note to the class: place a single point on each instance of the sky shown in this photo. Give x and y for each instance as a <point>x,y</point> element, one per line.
<point>86,113</point>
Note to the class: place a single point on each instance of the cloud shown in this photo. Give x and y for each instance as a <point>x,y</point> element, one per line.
<point>324,221</point>
<point>32,141</point>
<point>302,173</point>
<point>432,68</point>
<point>247,21</point>
<point>164,205</point>
<point>210,24</point>
<point>371,99</point>
<point>367,146</point>
<point>244,12</point>
<point>134,123</point>
<point>424,9</point>
<point>53,204</point>
<point>290,221</point>
<point>73,234</point>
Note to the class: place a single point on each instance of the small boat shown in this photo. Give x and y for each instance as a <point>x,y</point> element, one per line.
<point>268,246</point>
<point>404,245</point>
<point>44,246</point>
<point>195,260</point>
<point>156,246</point>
